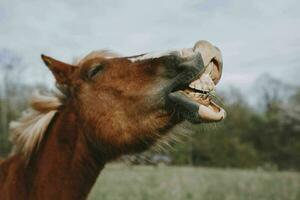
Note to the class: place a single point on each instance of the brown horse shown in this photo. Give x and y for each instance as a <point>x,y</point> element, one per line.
<point>108,106</point>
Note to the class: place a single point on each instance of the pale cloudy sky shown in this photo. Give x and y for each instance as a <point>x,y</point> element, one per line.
<point>254,36</point>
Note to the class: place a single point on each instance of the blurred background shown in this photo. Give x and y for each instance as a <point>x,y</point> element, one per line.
<point>253,154</point>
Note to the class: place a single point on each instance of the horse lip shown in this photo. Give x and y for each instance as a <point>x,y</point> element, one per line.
<point>201,55</point>
<point>204,113</point>
<point>179,96</point>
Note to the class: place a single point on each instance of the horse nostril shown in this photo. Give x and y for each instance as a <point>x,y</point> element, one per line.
<point>216,71</point>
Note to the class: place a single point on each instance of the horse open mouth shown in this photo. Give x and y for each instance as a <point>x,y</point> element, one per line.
<point>198,97</point>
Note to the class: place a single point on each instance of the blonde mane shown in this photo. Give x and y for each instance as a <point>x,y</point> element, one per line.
<point>27,133</point>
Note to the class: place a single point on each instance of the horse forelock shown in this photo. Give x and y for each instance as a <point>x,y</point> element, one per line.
<point>97,54</point>
<point>27,132</point>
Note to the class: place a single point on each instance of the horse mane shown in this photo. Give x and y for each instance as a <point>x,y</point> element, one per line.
<point>28,131</point>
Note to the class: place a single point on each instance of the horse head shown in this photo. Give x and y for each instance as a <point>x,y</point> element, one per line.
<point>127,103</point>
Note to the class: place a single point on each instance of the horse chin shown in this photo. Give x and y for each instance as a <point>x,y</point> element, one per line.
<point>197,111</point>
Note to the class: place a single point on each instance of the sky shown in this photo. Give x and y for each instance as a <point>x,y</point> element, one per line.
<point>255,37</point>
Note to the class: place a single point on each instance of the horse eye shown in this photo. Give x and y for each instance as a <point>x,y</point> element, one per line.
<point>95,70</point>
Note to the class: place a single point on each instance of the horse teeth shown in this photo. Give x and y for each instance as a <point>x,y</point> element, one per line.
<point>204,83</point>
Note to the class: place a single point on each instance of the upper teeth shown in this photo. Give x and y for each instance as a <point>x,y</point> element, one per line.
<point>204,83</point>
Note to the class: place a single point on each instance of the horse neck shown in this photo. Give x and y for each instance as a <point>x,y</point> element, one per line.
<point>65,166</point>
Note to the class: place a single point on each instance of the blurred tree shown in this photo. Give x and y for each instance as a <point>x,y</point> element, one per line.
<point>221,144</point>
<point>8,63</point>
<point>13,95</point>
<point>249,137</point>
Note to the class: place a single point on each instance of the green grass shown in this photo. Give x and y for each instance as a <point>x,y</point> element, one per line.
<point>121,182</point>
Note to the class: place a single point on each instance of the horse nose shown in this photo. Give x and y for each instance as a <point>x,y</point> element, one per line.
<point>204,51</point>
<point>208,52</point>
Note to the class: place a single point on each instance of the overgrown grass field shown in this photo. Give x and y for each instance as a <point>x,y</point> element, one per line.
<point>122,182</point>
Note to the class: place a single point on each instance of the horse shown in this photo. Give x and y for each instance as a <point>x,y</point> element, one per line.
<point>105,106</point>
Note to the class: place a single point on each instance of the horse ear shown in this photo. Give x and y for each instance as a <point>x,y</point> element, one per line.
<point>61,71</point>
